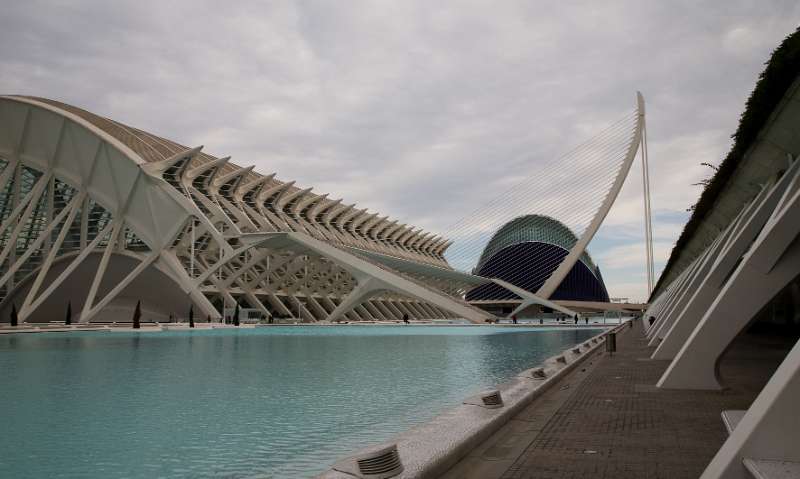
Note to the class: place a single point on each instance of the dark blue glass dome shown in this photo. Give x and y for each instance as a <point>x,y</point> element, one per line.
<point>526,251</point>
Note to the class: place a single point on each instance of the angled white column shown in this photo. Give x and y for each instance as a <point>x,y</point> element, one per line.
<point>769,430</point>
<point>366,288</point>
<point>696,276</point>
<point>392,306</point>
<point>655,307</point>
<point>651,308</point>
<point>669,295</point>
<point>770,264</point>
<point>375,312</point>
<point>387,312</point>
<point>700,273</point>
<point>728,254</point>
<point>529,299</point>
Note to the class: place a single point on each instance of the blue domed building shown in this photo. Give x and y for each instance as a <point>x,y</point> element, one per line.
<point>525,252</point>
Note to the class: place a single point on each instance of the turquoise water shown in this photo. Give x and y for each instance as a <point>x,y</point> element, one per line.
<point>282,402</point>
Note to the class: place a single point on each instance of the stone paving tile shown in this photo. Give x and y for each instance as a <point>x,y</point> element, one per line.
<point>615,424</point>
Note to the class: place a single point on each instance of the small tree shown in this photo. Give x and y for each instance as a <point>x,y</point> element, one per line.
<point>191,315</point>
<point>236,315</point>
<point>137,314</point>
<point>14,318</point>
<point>705,182</point>
<point>68,319</point>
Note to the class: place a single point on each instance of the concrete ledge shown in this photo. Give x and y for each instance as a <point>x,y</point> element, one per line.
<point>431,449</point>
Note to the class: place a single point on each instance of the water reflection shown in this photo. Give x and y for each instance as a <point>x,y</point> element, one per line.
<point>282,402</point>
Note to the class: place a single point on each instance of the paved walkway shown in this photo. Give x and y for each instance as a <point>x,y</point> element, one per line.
<point>608,420</point>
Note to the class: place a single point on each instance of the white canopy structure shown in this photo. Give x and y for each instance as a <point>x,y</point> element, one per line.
<point>100,215</point>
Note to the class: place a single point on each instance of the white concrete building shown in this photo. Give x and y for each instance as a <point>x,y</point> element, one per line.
<point>737,267</point>
<point>100,216</point>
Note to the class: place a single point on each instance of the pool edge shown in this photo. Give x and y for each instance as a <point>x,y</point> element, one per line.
<point>430,449</point>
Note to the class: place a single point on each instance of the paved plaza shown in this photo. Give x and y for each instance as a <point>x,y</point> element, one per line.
<point>608,420</point>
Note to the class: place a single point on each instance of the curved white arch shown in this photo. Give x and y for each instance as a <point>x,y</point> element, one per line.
<point>63,146</point>
<point>555,279</point>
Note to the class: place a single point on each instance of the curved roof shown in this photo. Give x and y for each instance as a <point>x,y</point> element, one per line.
<point>149,148</point>
<point>532,228</point>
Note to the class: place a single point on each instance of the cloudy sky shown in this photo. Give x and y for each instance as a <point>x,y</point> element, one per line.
<point>416,109</point>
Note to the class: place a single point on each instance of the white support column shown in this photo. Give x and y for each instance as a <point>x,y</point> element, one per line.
<point>403,306</point>
<point>700,274</point>
<point>418,312</point>
<point>415,312</point>
<point>36,302</point>
<point>87,315</point>
<point>172,264</point>
<point>375,312</point>
<point>27,203</point>
<point>33,199</point>
<point>696,273</point>
<point>769,430</point>
<point>69,211</point>
<point>326,303</point>
<point>658,312</point>
<point>387,312</point>
<point>317,308</point>
<point>101,269</point>
<point>432,313</point>
<point>392,305</point>
<point>770,264</point>
<point>302,311</point>
<point>279,305</point>
<point>364,312</point>
<point>728,254</point>
<point>366,288</point>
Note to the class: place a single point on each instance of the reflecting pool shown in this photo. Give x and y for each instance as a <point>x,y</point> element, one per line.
<point>276,402</point>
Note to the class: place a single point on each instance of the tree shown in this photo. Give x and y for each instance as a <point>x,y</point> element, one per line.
<point>137,314</point>
<point>68,319</point>
<point>705,182</point>
<point>14,318</point>
<point>236,315</point>
<point>191,315</point>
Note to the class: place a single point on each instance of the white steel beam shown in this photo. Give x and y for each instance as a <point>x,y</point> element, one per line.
<point>767,267</point>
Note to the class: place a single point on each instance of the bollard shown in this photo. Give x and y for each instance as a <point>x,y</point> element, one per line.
<point>611,342</point>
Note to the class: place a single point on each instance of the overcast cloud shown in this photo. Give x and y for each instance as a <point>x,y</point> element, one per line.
<point>414,109</point>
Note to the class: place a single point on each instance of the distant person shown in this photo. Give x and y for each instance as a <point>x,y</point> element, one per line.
<point>405,319</point>
<point>514,319</point>
<point>586,319</point>
<point>576,319</point>
<point>541,320</point>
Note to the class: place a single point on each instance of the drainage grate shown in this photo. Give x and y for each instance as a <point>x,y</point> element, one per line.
<point>378,462</point>
<point>385,464</point>
<point>539,373</point>
<point>493,399</point>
